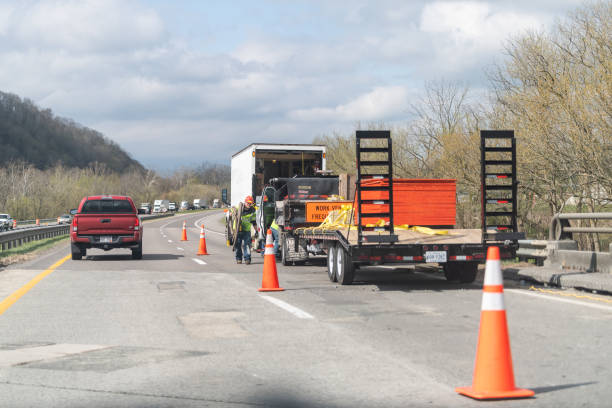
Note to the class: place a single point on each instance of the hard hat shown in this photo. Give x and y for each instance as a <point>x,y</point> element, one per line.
<point>249,200</point>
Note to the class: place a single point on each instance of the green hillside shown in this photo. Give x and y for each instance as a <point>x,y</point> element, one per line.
<point>34,135</point>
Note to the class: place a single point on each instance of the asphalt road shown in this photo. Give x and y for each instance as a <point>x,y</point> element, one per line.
<point>178,330</point>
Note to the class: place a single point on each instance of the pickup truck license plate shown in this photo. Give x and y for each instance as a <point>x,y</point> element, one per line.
<point>105,239</point>
<point>435,256</point>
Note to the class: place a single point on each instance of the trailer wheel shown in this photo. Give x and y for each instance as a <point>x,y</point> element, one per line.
<point>464,272</point>
<point>331,264</point>
<point>467,274</point>
<point>451,271</point>
<point>344,266</point>
<point>284,251</point>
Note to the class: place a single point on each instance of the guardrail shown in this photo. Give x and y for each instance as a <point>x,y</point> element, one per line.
<point>535,249</point>
<point>13,239</point>
<point>155,216</point>
<point>19,236</point>
<point>560,227</point>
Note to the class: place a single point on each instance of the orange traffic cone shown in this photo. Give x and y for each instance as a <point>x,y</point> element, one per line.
<point>493,374</point>
<point>184,238</point>
<point>269,282</point>
<point>58,220</point>
<point>14,223</point>
<point>202,249</point>
<point>37,222</point>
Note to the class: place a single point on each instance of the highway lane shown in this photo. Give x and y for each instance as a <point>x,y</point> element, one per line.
<point>170,331</point>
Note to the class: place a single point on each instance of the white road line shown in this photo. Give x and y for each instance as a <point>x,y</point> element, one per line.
<point>180,249</point>
<point>198,224</point>
<point>196,260</point>
<point>289,308</point>
<point>558,299</point>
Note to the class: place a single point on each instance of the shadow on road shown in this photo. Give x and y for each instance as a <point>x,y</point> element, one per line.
<point>550,388</point>
<point>145,257</point>
<point>408,279</point>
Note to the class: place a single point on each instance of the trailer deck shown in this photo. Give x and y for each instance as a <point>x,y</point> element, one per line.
<point>454,236</point>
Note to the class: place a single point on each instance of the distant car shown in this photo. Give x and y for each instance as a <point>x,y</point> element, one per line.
<point>6,222</point>
<point>65,219</point>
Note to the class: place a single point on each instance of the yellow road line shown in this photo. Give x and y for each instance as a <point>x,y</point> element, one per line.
<point>8,302</point>
<point>552,292</point>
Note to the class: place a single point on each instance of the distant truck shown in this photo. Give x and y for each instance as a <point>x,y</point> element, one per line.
<point>106,222</point>
<point>161,206</point>
<point>199,203</point>
<point>254,166</point>
<point>146,207</point>
<point>172,206</point>
<point>216,203</point>
<point>184,205</point>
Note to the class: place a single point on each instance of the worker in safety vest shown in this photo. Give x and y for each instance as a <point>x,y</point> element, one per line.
<point>274,228</point>
<point>243,241</point>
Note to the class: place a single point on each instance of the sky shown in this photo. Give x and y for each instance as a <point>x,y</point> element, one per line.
<point>178,83</point>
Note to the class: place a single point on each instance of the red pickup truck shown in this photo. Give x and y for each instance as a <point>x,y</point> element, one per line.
<point>106,222</point>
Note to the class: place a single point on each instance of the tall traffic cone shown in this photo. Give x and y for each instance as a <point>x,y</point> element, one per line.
<point>202,249</point>
<point>37,222</point>
<point>493,374</point>
<point>14,223</point>
<point>184,238</point>
<point>269,282</point>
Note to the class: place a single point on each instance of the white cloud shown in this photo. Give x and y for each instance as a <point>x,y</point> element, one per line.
<point>142,72</point>
<point>379,104</point>
<point>462,32</point>
<point>86,25</point>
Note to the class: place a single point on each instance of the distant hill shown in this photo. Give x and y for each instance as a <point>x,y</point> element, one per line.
<point>36,136</point>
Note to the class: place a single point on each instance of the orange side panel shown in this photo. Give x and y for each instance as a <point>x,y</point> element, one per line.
<point>415,201</point>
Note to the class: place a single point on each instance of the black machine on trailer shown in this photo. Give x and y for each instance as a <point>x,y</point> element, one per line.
<point>459,252</point>
<point>298,202</point>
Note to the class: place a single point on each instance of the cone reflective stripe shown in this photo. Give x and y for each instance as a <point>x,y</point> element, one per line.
<point>184,237</point>
<point>493,372</point>
<point>202,249</point>
<point>270,277</point>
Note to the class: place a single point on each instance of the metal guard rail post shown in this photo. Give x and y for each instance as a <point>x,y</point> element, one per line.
<point>560,227</point>
<point>17,238</point>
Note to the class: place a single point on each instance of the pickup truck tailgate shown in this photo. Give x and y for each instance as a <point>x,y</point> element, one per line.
<point>106,224</point>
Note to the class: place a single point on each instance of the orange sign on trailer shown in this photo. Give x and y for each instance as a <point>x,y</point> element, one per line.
<point>316,211</point>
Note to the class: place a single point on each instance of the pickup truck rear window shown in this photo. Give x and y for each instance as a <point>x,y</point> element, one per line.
<point>107,206</point>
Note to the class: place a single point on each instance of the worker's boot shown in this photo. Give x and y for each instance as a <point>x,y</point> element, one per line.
<point>248,262</point>
<point>238,261</point>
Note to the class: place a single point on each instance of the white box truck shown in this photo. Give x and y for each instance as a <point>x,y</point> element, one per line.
<point>255,165</point>
<point>199,203</point>
<point>160,206</point>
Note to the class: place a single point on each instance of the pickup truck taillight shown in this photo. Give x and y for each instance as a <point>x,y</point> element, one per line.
<point>74,224</point>
<point>137,224</point>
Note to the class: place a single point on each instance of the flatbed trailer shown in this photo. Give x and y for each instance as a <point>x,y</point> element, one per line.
<point>458,252</point>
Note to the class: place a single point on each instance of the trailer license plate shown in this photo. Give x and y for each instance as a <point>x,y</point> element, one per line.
<point>435,256</point>
<point>105,239</point>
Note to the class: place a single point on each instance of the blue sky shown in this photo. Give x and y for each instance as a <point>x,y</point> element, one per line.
<point>180,82</point>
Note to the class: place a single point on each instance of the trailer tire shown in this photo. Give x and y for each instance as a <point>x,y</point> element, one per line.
<point>467,274</point>
<point>464,272</point>
<point>344,266</point>
<point>331,264</point>
<point>284,251</point>
<point>451,271</point>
